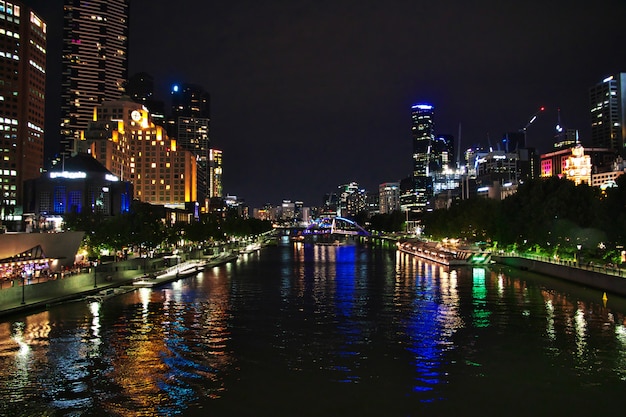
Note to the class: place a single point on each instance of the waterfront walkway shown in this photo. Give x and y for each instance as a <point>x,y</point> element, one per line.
<point>40,299</point>
<point>585,266</point>
<point>35,296</point>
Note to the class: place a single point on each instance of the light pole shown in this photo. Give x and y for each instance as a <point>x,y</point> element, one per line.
<point>23,285</point>
<point>95,283</point>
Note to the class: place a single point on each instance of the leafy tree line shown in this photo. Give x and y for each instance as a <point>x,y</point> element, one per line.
<point>552,216</point>
<point>142,227</point>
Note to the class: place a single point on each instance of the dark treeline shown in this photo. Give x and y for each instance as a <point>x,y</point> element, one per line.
<point>142,227</point>
<point>551,216</point>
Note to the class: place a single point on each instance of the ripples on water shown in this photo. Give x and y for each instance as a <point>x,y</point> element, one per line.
<point>312,330</point>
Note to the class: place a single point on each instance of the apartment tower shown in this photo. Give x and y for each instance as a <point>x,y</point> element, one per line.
<point>22,88</point>
<point>608,113</point>
<point>94,62</point>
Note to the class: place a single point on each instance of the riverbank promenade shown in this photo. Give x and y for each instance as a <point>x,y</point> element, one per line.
<point>36,298</point>
<point>603,277</point>
<point>32,296</point>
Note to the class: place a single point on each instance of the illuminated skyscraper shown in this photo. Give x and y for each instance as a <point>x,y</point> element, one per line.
<point>388,197</point>
<point>22,87</point>
<point>423,133</point>
<point>441,153</point>
<point>215,173</point>
<point>416,195</point>
<point>608,113</point>
<point>125,141</point>
<point>94,61</point>
<point>190,126</point>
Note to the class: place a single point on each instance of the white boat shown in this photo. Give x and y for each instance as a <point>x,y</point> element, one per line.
<point>253,247</point>
<point>105,294</point>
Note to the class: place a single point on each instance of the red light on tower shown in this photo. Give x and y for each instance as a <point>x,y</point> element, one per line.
<point>542,108</point>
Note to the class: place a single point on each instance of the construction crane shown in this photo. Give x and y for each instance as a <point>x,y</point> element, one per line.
<point>530,122</point>
<point>533,118</point>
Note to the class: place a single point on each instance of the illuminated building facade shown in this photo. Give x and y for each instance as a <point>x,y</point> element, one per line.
<point>215,173</point>
<point>608,179</point>
<point>388,197</point>
<point>418,189</point>
<point>578,166</point>
<point>608,113</point>
<point>190,126</point>
<point>441,153</point>
<point>123,139</point>
<point>81,185</point>
<point>566,138</point>
<point>22,87</point>
<point>556,163</point>
<point>422,132</point>
<point>94,61</point>
<point>352,200</point>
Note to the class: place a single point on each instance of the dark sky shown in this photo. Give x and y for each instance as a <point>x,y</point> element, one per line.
<point>307,95</point>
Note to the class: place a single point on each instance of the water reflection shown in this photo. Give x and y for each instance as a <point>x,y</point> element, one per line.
<point>328,329</point>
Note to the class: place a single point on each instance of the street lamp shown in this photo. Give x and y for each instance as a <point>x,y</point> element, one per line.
<point>578,248</point>
<point>23,285</point>
<point>95,264</point>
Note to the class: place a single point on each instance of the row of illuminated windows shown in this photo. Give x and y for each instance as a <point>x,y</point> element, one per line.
<point>37,66</point>
<point>9,55</point>
<point>9,33</point>
<point>9,8</point>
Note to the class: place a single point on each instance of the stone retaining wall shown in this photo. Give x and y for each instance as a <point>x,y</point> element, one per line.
<point>610,283</point>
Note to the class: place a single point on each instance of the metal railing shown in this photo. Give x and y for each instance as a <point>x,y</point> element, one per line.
<point>587,266</point>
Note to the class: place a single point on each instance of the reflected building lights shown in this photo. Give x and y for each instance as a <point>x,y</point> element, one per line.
<point>94,307</point>
<point>480,313</point>
<point>144,297</point>
<point>580,326</point>
<point>550,330</point>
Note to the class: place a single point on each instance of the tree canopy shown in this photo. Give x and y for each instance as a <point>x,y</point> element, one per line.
<point>547,213</point>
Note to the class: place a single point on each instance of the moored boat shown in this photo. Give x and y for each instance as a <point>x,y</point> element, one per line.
<point>436,252</point>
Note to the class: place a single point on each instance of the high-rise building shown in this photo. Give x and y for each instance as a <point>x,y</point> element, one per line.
<point>22,87</point>
<point>608,113</point>
<point>388,197</point>
<point>94,61</point>
<point>190,126</point>
<point>442,153</point>
<point>215,173</point>
<point>423,134</point>
<point>124,140</point>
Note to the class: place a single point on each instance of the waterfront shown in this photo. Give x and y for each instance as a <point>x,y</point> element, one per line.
<point>309,330</point>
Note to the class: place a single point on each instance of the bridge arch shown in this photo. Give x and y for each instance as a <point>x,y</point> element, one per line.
<point>335,225</point>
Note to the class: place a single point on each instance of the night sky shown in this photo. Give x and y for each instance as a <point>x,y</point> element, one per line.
<point>307,95</point>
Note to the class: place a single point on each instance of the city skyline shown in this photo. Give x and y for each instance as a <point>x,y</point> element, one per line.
<point>311,95</point>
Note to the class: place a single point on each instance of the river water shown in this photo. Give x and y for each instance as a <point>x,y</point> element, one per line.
<point>307,330</point>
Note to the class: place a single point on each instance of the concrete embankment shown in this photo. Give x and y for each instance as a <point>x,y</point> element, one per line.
<point>609,282</point>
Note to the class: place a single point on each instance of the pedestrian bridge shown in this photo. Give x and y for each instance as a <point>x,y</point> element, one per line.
<point>335,225</point>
